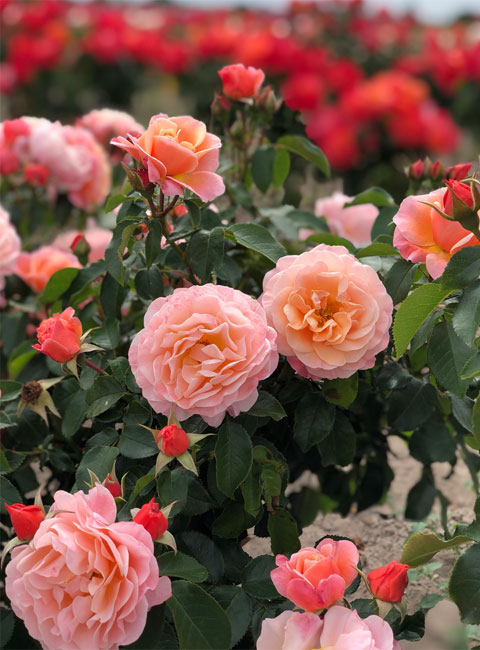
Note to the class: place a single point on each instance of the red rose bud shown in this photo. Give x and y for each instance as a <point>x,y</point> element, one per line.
<point>59,336</point>
<point>150,517</point>
<point>436,170</point>
<point>240,82</point>
<point>113,486</point>
<point>80,248</point>
<point>416,170</point>
<point>458,172</point>
<point>25,519</point>
<point>172,440</point>
<point>389,582</point>
<point>36,174</point>
<point>456,194</point>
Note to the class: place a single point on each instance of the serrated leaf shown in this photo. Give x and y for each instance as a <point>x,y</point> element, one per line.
<point>341,392</point>
<point>58,284</point>
<point>205,252</point>
<point>257,238</point>
<point>233,453</point>
<point>306,149</point>
<point>466,319</point>
<point>283,532</point>
<point>462,269</point>
<point>420,548</point>
<point>281,167</point>
<point>267,406</point>
<point>399,279</point>
<point>314,418</point>
<point>338,447</point>
<point>375,195</point>
<point>331,239</point>
<point>98,460</point>
<point>464,585</point>
<point>180,565</point>
<point>447,355</point>
<point>262,167</point>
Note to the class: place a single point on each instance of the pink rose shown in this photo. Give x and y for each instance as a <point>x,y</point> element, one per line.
<point>203,351</point>
<point>315,578</point>
<point>96,237</point>
<point>106,123</point>
<point>178,153</point>
<point>240,82</point>
<point>343,628</point>
<point>290,631</point>
<point>37,268</point>
<point>331,313</point>
<point>423,235</point>
<point>9,244</point>
<point>353,223</point>
<point>85,581</point>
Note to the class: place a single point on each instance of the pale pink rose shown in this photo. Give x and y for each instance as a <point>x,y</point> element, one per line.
<point>331,313</point>
<point>10,245</point>
<point>203,351</point>
<point>178,153</point>
<point>423,235</point>
<point>315,578</point>
<point>106,123</point>
<point>343,629</point>
<point>84,581</point>
<point>36,268</point>
<point>96,237</point>
<point>290,631</point>
<point>354,223</point>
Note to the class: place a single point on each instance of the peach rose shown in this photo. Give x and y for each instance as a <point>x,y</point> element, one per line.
<point>203,351</point>
<point>423,235</point>
<point>353,223</point>
<point>96,237</point>
<point>240,82</point>
<point>178,154</point>
<point>37,268</point>
<point>343,628</point>
<point>290,631</point>
<point>106,123</point>
<point>59,337</point>
<point>85,581</point>
<point>331,313</point>
<point>315,578</point>
<point>10,245</point>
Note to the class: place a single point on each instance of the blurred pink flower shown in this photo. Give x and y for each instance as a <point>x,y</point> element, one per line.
<point>10,245</point>
<point>36,268</point>
<point>97,238</point>
<point>106,123</point>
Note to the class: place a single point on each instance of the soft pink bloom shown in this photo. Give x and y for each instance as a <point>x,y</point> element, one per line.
<point>240,82</point>
<point>203,351</point>
<point>85,581</point>
<point>331,313</point>
<point>178,154</point>
<point>10,245</point>
<point>423,235</point>
<point>106,123</point>
<point>353,223</point>
<point>96,237</point>
<point>37,268</point>
<point>291,631</point>
<point>343,629</point>
<point>315,578</point>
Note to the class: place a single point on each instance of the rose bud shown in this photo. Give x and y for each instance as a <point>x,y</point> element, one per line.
<point>416,170</point>
<point>59,337</point>
<point>150,517</point>
<point>389,582</point>
<point>25,519</point>
<point>240,82</point>
<point>172,440</point>
<point>458,172</point>
<point>436,171</point>
<point>36,174</point>
<point>113,486</point>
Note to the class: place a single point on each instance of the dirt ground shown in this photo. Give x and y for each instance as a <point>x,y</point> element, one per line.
<point>382,530</point>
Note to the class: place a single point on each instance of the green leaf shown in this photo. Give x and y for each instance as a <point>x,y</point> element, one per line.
<point>99,460</point>
<point>136,442</point>
<point>103,394</point>
<point>233,452</point>
<point>115,250</point>
<point>153,241</point>
<point>413,311</point>
<point>314,419</point>
<point>8,494</point>
<point>252,491</point>
<point>256,578</point>
<point>447,354</point>
<point>59,282</point>
<point>399,279</point>
<point>432,443</point>
<point>412,405</point>
<point>73,413</point>
<point>267,406</point>
<point>331,239</point>
<point>464,585</point>
<point>338,448</point>
<point>262,167</point>
<point>108,336</point>
<point>281,167</point>
<point>421,497</point>
<point>237,605</point>
<point>476,421</point>
<point>179,565</point>
<point>283,532</point>
<point>204,549</point>
<point>466,319</point>
<point>462,269</point>
<point>257,238</point>
<point>193,212</point>
<point>233,521</point>
<point>205,252</point>
<point>112,296</point>
<point>375,195</point>
<point>306,149</point>
<point>420,548</point>
<point>149,283</point>
<point>341,392</point>
<point>114,201</point>
<point>472,367</point>
<point>9,390</point>
<point>377,248</point>
<point>200,622</point>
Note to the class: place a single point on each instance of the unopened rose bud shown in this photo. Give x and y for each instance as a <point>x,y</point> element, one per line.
<point>458,172</point>
<point>436,171</point>
<point>172,440</point>
<point>25,519</point>
<point>59,337</point>
<point>150,517</point>
<point>81,248</point>
<point>267,101</point>
<point>113,486</point>
<point>220,108</point>
<point>389,582</point>
<point>416,170</point>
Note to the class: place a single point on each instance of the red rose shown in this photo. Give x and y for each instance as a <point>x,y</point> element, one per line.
<point>240,82</point>
<point>36,174</point>
<point>113,486</point>
<point>389,582</point>
<point>59,336</point>
<point>150,517</point>
<point>25,519</point>
<point>172,440</point>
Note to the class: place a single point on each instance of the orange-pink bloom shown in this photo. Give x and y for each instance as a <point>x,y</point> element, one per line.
<point>353,223</point>
<point>106,123</point>
<point>203,351</point>
<point>37,268</point>
<point>331,313</point>
<point>85,581</point>
<point>59,337</point>
<point>178,153</point>
<point>423,235</point>
<point>240,82</point>
<point>315,578</point>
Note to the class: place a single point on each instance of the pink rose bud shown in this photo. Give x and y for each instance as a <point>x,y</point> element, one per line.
<point>9,163</point>
<point>240,82</point>
<point>416,170</point>
<point>150,517</point>
<point>25,519</point>
<point>458,172</point>
<point>172,440</point>
<point>113,486</point>
<point>59,336</point>
<point>36,174</point>
<point>389,582</point>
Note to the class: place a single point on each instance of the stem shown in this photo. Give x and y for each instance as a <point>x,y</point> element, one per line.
<point>94,367</point>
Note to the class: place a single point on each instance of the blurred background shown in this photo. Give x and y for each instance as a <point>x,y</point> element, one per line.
<point>375,84</point>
